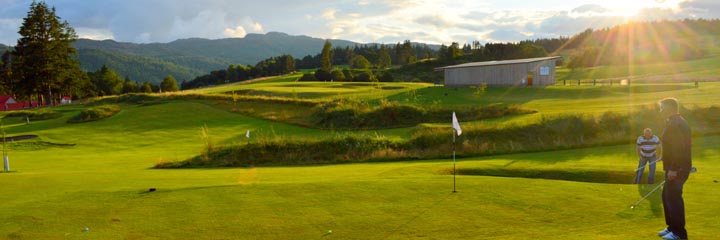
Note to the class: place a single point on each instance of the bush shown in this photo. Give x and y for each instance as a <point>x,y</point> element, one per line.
<point>337,76</point>
<point>366,76</point>
<point>322,75</point>
<point>95,113</point>
<point>308,78</point>
<point>386,77</point>
<point>35,115</point>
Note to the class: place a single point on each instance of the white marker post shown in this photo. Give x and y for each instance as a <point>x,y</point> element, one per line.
<point>7,164</point>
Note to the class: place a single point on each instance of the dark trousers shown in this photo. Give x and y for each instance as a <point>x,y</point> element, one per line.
<point>673,204</point>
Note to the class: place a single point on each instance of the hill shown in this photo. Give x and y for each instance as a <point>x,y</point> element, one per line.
<point>143,69</point>
<point>188,58</point>
<point>4,48</point>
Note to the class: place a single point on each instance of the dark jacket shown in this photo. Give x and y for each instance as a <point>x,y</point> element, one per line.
<point>676,142</point>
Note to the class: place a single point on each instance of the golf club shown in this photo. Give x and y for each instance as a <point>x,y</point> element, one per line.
<point>653,162</point>
<point>692,170</point>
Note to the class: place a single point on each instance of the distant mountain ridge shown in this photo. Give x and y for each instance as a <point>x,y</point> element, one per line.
<point>188,58</point>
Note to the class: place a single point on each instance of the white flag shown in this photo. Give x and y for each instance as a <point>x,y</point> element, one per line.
<point>456,125</point>
<point>247,135</point>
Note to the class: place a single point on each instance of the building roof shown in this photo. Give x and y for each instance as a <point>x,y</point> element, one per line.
<point>5,98</point>
<point>494,63</point>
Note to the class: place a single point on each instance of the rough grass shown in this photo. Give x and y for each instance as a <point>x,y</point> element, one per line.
<point>361,115</point>
<point>95,113</point>
<point>35,115</point>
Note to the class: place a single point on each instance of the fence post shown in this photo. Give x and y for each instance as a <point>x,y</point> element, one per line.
<point>578,82</point>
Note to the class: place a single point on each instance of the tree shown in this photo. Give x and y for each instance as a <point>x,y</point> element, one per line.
<point>6,83</point>
<point>307,77</point>
<point>360,62</point>
<point>169,84</point>
<point>288,64</point>
<point>130,86</point>
<point>337,75</point>
<point>442,53</point>
<point>322,75</point>
<point>107,81</point>
<point>43,56</point>
<point>326,57</point>
<point>146,87</point>
<point>384,60</point>
<point>349,76</point>
<point>454,51</point>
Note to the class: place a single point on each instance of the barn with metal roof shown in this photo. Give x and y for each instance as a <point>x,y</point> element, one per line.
<point>518,72</point>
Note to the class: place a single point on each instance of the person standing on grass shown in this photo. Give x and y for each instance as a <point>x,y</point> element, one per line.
<point>647,144</point>
<point>677,163</point>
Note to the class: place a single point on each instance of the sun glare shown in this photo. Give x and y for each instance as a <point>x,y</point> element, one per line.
<point>631,8</point>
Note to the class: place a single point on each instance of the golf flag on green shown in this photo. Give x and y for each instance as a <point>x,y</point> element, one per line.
<point>456,125</point>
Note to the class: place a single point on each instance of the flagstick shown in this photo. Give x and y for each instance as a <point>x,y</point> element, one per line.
<point>454,190</point>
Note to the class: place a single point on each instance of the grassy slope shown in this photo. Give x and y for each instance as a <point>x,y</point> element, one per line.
<point>101,182</point>
<point>694,68</point>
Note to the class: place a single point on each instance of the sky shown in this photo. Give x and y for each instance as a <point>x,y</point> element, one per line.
<point>364,21</point>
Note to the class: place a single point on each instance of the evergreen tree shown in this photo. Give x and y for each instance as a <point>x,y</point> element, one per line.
<point>326,57</point>
<point>43,56</point>
<point>130,86</point>
<point>146,88</point>
<point>6,83</point>
<point>107,82</point>
<point>384,60</point>
<point>169,84</point>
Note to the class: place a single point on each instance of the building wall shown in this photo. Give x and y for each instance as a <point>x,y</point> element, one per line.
<point>501,75</point>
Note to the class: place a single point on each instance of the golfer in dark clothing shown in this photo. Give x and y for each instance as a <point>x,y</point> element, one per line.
<point>676,141</point>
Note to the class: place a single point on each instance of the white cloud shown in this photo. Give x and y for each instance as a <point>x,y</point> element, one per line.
<point>238,32</point>
<point>590,8</point>
<point>94,33</point>
<point>257,27</point>
<point>502,35</point>
<point>329,13</point>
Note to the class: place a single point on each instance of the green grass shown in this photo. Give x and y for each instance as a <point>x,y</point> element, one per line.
<point>101,182</point>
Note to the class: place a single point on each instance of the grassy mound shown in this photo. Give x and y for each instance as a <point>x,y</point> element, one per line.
<point>95,113</point>
<point>35,115</point>
<point>347,114</point>
<point>335,150</point>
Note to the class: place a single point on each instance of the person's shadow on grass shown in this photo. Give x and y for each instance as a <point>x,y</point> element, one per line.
<point>655,199</point>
